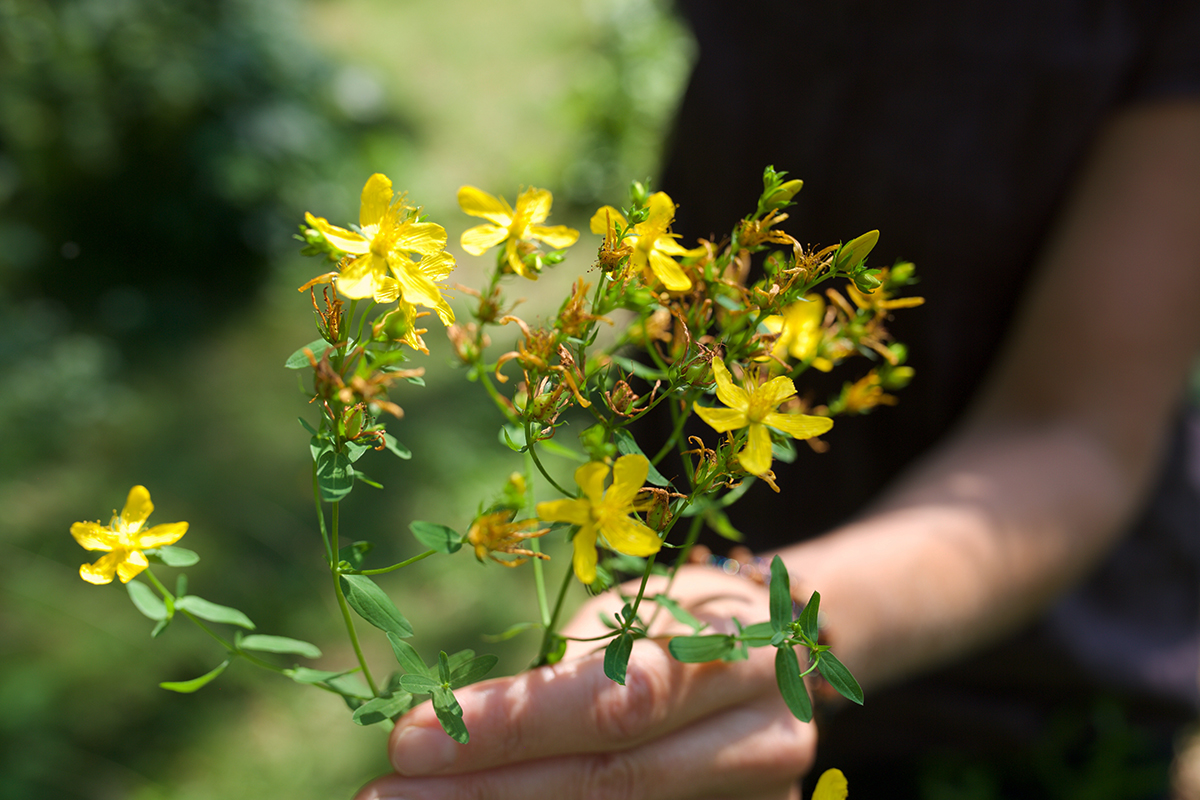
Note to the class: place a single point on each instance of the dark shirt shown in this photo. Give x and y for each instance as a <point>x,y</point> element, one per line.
<point>956,130</point>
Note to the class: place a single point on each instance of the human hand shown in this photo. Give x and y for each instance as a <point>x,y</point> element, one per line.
<point>716,730</point>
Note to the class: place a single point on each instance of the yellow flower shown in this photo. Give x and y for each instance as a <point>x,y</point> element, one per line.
<point>799,329</point>
<point>124,540</point>
<point>512,225</point>
<point>605,513</point>
<point>391,236</point>
<point>755,409</point>
<point>652,241</point>
<point>831,786</point>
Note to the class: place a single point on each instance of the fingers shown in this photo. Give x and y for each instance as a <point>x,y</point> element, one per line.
<point>755,750</point>
<point>573,708</point>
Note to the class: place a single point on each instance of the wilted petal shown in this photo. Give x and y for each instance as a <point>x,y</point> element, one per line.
<point>722,419</point>
<point>728,393</point>
<point>629,475</point>
<point>94,536</point>
<point>755,458</point>
<point>170,533</point>
<point>557,236</point>
<point>102,571</point>
<point>590,478</point>
<point>604,218</point>
<point>584,558</point>
<point>342,239</point>
<point>134,563</point>
<point>479,239</point>
<point>376,199</point>
<point>799,426</point>
<point>669,272</point>
<point>479,203</point>
<point>137,508</point>
<point>629,536</point>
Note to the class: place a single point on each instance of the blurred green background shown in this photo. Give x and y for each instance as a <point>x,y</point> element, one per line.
<point>155,159</point>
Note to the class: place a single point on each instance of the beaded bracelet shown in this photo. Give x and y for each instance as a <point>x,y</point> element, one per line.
<point>754,568</point>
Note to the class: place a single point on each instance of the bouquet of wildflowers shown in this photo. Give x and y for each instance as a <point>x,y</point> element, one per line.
<point>688,333</point>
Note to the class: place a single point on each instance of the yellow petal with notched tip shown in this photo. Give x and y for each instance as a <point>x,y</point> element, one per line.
<point>627,535</point>
<point>831,786</point>
<point>376,200</point>
<point>557,236</point>
<point>604,218</point>
<point>669,272</point>
<point>583,559</point>
<point>577,511</point>
<point>344,240</point>
<point>755,458</point>
<point>799,426</point>
<point>728,393</point>
<point>629,475</point>
<point>479,239</point>
<point>590,477</point>
<point>774,392</point>
<point>137,508</point>
<point>159,535</point>
<point>134,563</point>
<point>479,203</point>
<point>94,536</point>
<point>102,571</point>
<point>721,419</point>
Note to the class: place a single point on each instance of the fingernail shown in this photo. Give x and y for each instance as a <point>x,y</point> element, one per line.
<point>421,751</point>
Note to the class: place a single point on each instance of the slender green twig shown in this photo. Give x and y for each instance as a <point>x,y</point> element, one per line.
<point>392,568</point>
<point>345,607</point>
<point>529,448</point>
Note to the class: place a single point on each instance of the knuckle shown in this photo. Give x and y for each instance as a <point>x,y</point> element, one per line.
<point>627,713</point>
<point>610,776</point>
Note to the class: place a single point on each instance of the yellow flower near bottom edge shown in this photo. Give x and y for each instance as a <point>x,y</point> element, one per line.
<point>831,786</point>
<point>124,540</point>
<point>605,513</point>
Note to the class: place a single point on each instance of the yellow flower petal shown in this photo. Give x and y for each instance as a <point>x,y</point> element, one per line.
<point>514,261</point>
<point>799,426</point>
<point>668,246</point>
<point>437,266</point>
<point>557,236</point>
<point>419,290</point>
<point>629,475</point>
<point>661,213</point>
<point>831,786</point>
<point>755,458</point>
<point>774,392</point>
<point>534,205</point>
<point>721,419</point>
<point>376,200</point>
<point>606,217</point>
<point>134,563</point>
<point>628,535</point>
<point>669,272</point>
<point>479,239</point>
<point>479,203</point>
<point>728,393</point>
<point>576,512</point>
<point>344,240</point>
<point>159,535</point>
<point>102,571</point>
<point>358,278</point>
<point>137,508</point>
<point>387,290</point>
<point>94,536</point>
<point>425,238</point>
<point>583,560</point>
<point>590,477</point>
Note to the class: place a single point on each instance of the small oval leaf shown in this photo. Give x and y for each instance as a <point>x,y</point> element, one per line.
<point>146,601</point>
<point>212,612</point>
<point>616,657</point>
<point>372,604</point>
<point>280,644</point>
<point>839,677</point>
<point>699,649</point>
<point>791,685</point>
<point>436,537</point>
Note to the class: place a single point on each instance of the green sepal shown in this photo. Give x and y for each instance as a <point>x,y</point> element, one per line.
<point>791,685</point>
<point>700,649</point>
<point>279,644</point>
<point>299,359</point>
<point>372,604</point>
<point>781,597</point>
<point>557,650</point>
<point>473,670</point>
<point>146,601</point>
<point>628,446</point>
<point>437,537</point>
<point>172,556</point>
<point>810,616</point>
<point>419,684</point>
<point>783,450</point>
<point>616,657</point>
<point>212,612</point>
<point>839,677</point>
<point>679,613</point>
<point>355,554</point>
<point>513,437</point>
<point>378,709</point>
<point>407,656</point>
<point>853,252</point>
<point>758,634</point>
<point>449,713</point>
<point>335,476</point>
<point>187,687</point>
<point>393,444</point>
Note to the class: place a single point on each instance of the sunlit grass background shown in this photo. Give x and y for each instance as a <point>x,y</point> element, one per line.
<point>156,159</point>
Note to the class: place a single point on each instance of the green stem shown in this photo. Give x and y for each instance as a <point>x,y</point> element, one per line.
<point>392,568</point>
<point>345,607</point>
<point>321,518</point>
<point>548,635</point>
<point>529,448</point>
<point>539,572</point>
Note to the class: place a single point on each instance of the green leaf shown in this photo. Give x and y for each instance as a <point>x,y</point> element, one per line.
<point>355,554</point>
<point>758,635</point>
<point>472,671</point>
<point>159,628</point>
<point>551,446</point>
<point>513,437</point>
<point>809,618</point>
<point>308,676</point>
<point>699,649</point>
<point>335,476</point>
<point>509,632</point>
<point>791,685</point>
<point>212,612</point>
<point>419,684</point>
<point>146,601</point>
<point>180,584</point>
<point>350,685</point>
<point>718,520</point>
<point>781,597</point>
<point>557,650</point>
<point>678,612</point>
<point>444,667</point>
<point>392,444</point>
<point>299,359</point>
<point>436,537</point>
<point>643,371</point>
<point>378,709</point>
<point>187,687</point>
<point>449,713</point>
<point>627,445</point>
<point>839,677</point>
<point>616,657</point>
<point>372,604</point>
<point>783,450</point>
<point>280,644</point>
<point>407,656</point>
<point>355,451</point>
<point>319,446</point>
<point>854,251</point>
<point>172,556</point>
<point>306,426</point>
<point>456,660</point>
